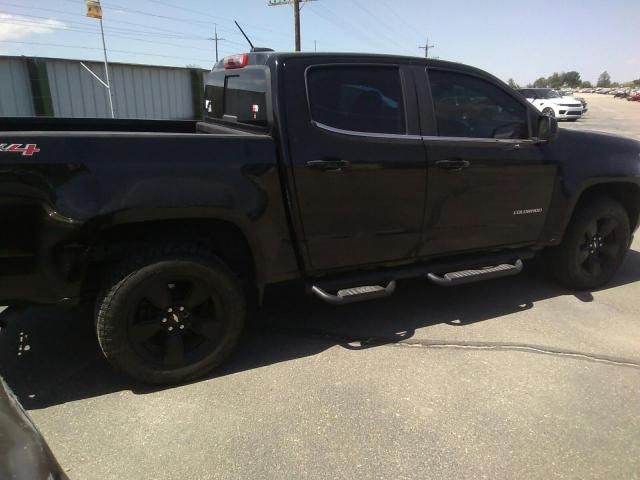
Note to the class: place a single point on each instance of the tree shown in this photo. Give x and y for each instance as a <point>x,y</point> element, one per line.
<point>604,80</point>
<point>512,83</point>
<point>555,80</point>
<point>586,84</point>
<point>572,79</point>
<point>636,83</point>
<point>540,83</point>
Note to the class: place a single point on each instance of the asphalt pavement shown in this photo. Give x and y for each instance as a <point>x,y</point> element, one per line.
<point>512,378</point>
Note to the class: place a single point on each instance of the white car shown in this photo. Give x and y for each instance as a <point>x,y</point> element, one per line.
<point>570,98</point>
<point>550,103</point>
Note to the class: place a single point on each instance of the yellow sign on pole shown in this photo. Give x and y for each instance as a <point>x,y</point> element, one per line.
<point>94,10</point>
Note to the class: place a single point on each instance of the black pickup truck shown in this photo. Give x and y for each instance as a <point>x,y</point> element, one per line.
<point>345,171</point>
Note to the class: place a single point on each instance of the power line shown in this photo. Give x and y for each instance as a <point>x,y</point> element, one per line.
<point>93,32</point>
<point>110,50</point>
<point>188,21</point>
<point>352,29</point>
<point>193,23</point>
<point>401,18</point>
<point>73,14</point>
<point>296,16</point>
<point>130,31</point>
<point>206,14</point>
<point>378,21</point>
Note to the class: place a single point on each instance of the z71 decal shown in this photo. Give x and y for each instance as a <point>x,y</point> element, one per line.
<point>27,150</point>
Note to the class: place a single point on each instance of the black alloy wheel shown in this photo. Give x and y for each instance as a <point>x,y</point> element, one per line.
<point>594,245</point>
<point>170,315</point>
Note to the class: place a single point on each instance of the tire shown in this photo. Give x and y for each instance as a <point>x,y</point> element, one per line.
<point>548,111</point>
<point>595,243</point>
<point>170,315</point>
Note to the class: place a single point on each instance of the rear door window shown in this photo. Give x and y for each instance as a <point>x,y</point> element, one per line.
<point>357,98</point>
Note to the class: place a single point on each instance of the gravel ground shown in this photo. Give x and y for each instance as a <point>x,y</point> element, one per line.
<point>513,378</point>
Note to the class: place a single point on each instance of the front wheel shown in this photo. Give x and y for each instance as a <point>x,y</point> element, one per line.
<point>549,112</point>
<point>594,246</point>
<point>170,315</point>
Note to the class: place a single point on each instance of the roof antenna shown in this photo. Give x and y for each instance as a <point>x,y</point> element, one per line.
<point>244,34</point>
<point>253,49</point>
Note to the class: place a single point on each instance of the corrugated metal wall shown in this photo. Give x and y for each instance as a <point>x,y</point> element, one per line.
<point>139,91</point>
<point>15,92</point>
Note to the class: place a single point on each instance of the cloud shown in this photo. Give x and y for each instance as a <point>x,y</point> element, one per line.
<point>631,61</point>
<point>15,27</point>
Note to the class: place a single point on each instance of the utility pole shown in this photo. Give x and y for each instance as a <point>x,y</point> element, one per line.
<point>216,39</point>
<point>296,15</point>
<point>426,48</point>
<point>315,45</point>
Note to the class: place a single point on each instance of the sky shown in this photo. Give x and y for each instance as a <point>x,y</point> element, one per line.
<point>511,39</point>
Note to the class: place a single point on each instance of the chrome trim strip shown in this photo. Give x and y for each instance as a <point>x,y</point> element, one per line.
<point>391,136</point>
<point>491,141</point>
<point>426,138</point>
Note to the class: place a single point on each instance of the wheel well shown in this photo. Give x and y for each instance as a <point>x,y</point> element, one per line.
<point>222,238</point>
<point>628,194</point>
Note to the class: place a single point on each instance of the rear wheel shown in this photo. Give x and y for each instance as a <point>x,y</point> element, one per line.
<point>170,315</point>
<point>594,246</point>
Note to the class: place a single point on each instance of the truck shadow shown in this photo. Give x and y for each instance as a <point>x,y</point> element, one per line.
<point>50,356</point>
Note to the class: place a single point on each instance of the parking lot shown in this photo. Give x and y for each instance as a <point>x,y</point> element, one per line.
<point>609,114</point>
<point>512,378</point>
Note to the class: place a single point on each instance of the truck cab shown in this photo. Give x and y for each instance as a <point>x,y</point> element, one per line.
<point>375,146</point>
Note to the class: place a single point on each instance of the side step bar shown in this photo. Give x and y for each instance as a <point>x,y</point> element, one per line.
<point>468,276</point>
<point>355,294</point>
<point>462,269</point>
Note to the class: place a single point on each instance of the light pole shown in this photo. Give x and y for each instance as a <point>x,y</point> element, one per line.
<point>94,10</point>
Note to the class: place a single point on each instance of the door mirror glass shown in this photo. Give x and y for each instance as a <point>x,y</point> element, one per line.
<point>548,129</point>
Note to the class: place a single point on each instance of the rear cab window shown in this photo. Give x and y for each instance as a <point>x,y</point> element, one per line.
<point>238,96</point>
<point>357,98</point>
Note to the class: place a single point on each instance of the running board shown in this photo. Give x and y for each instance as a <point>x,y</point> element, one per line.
<point>476,275</point>
<point>355,294</point>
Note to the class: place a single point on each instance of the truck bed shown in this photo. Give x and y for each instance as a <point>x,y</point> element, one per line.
<point>118,125</point>
<point>83,177</point>
<point>45,124</point>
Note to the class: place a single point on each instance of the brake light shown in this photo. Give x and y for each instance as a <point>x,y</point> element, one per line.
<point>236,61</point>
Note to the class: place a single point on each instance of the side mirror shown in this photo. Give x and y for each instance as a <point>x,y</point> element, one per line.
<point>548,129</point>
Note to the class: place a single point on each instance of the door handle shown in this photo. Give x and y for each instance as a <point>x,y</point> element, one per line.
<point>328,164</point>
<point>512,148</point>
<point>453,164</point>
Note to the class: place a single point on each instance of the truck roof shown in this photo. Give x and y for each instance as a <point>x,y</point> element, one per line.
<point>265,58</point>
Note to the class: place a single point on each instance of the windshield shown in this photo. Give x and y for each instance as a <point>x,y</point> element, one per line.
<point>547,93</point>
